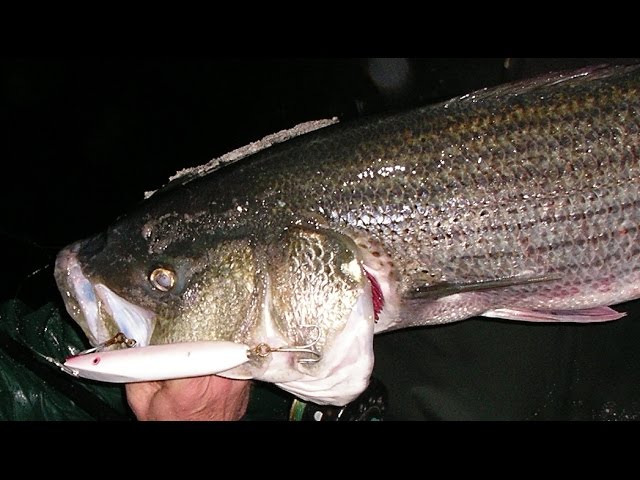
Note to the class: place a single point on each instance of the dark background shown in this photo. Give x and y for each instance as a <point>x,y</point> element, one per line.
<point>82,139</point>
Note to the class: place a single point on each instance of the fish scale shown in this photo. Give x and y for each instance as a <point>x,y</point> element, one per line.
<point>516,202</point>
<point>552,142</point>
<point>588,154</point>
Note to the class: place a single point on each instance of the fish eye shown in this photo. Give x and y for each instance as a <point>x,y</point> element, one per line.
<point>163,279</point>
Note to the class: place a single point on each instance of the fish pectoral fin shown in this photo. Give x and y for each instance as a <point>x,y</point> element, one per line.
<point>585,315</point>
<point>443,289</point>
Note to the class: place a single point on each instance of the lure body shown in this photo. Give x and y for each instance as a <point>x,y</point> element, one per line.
<point>159,362</point>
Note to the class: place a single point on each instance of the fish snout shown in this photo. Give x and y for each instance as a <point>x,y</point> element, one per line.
<point>77,292</point>
<point>97,309</point>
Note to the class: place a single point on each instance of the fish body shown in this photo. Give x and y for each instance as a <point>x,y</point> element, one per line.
<point>516,202</point>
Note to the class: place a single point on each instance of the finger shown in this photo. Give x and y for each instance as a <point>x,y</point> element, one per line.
<point>140,395</point>
<point>201,398</point>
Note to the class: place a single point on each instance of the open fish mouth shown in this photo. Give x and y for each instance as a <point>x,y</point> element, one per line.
<point>94,306</point>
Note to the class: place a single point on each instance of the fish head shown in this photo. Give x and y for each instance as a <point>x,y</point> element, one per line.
<point>298,297</point>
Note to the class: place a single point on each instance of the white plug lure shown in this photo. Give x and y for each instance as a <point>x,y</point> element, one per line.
<point>158,362</point>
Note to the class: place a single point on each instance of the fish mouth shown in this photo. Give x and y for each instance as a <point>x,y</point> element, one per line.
<point>95,307</point>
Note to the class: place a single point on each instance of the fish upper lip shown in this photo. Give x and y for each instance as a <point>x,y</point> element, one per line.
<point>89,304</point>
<point>79,295</point>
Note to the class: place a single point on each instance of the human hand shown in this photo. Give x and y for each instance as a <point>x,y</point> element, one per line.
<point>199,398</point>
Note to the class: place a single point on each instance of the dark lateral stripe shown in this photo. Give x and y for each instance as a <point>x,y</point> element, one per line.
<point>532,250</point>
<point>526,225</point>
<point>598,263</point>
<point>610,237</point>
<point>608,210</point>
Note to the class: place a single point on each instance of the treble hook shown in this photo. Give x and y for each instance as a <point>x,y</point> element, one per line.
<point>117,339</point>
<point>58,364</point>
<point>263,349</point>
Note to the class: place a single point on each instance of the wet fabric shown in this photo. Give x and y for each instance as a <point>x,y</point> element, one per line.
<point>33,389</point>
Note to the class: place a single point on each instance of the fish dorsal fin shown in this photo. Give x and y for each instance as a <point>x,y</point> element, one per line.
<point>514,89</point>
<point>188,174</point>
<point>443,289</point>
